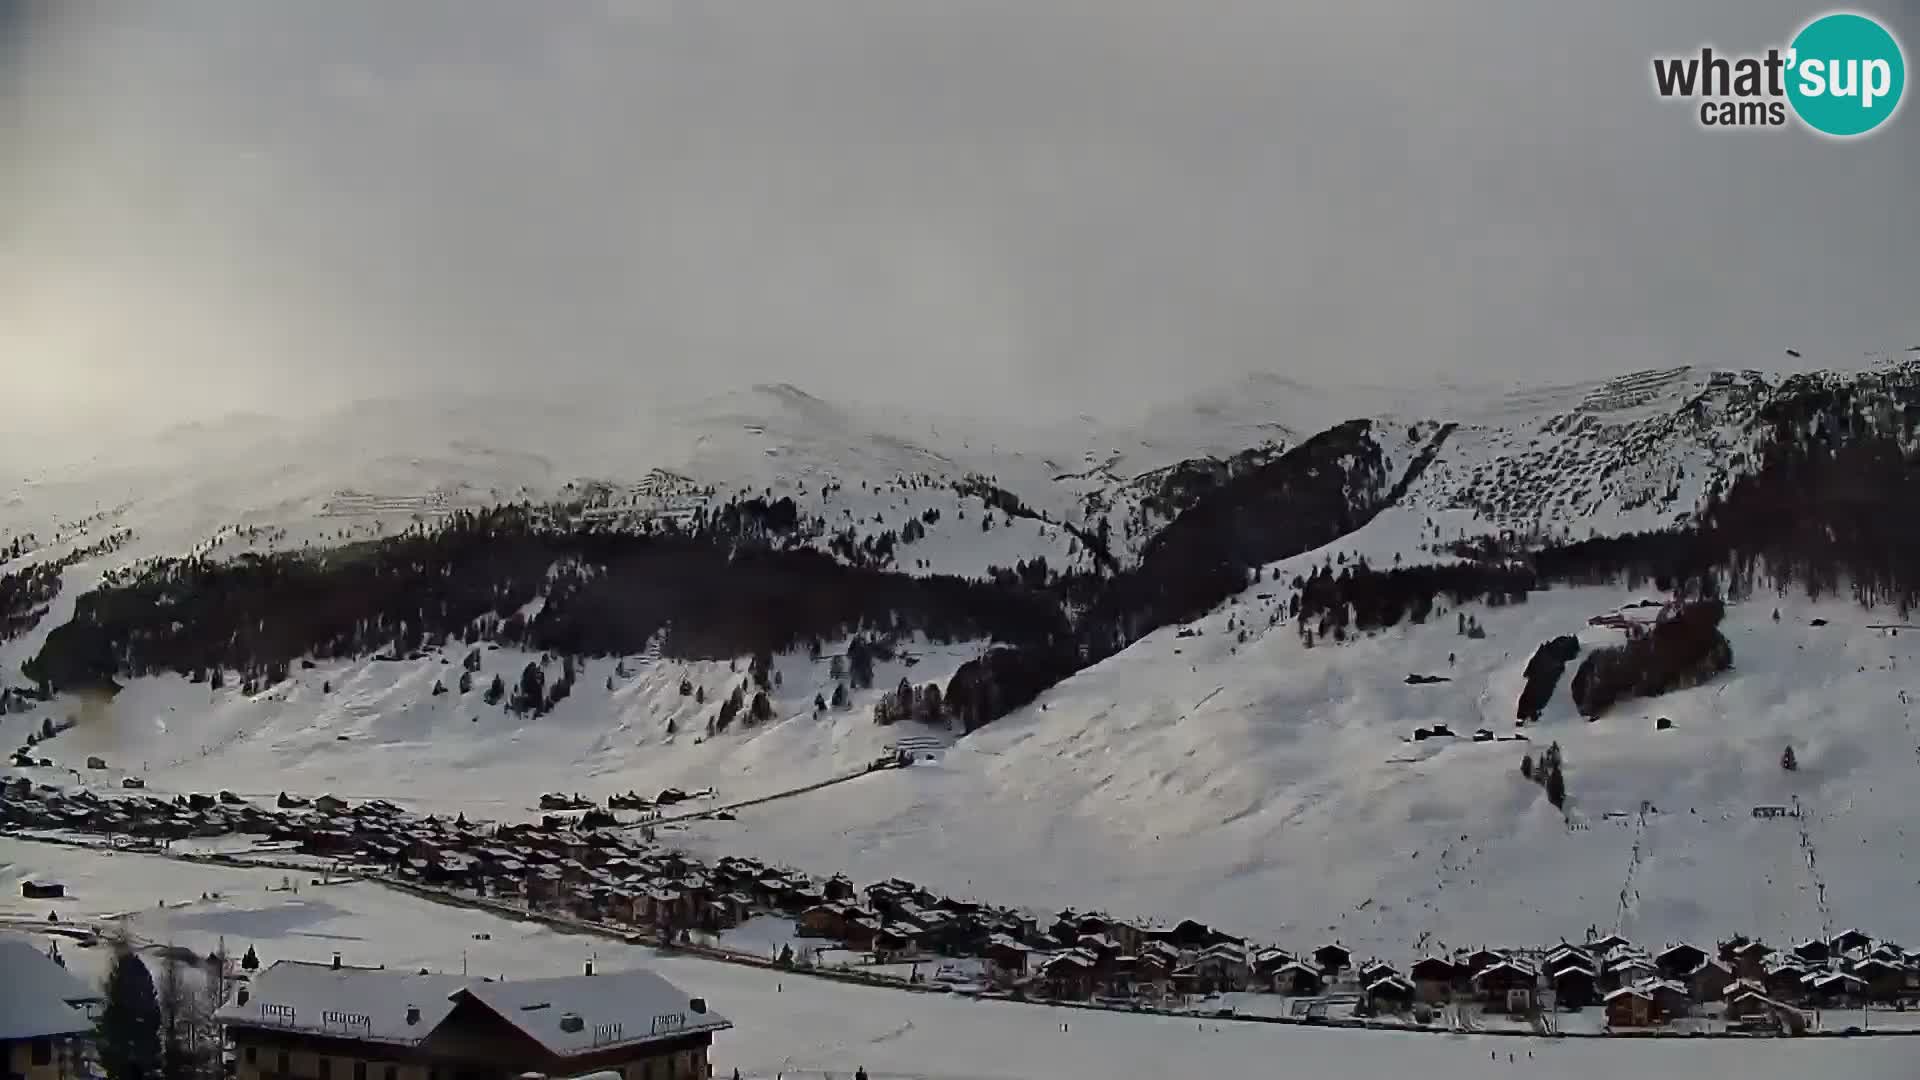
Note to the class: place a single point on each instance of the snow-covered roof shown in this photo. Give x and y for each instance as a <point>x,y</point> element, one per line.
<point>362,1003</point>
<point>615,1009</point>
<point>39,998</point>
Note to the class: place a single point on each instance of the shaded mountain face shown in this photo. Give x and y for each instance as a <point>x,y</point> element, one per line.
<point>1700,482</point>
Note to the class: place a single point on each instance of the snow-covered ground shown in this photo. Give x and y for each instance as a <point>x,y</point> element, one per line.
<point>798,1027</point>
<point>1266,787</point>
<point>370,728</point>
<point>1270,788</point>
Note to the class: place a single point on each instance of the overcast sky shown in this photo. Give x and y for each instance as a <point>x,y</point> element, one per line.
<point>1041,207</point>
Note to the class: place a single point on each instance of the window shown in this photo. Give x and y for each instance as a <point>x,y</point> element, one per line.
<point>253,1054</point>
<point>359,1070</point>
<point>43,1051</point>
<point>393,1072</point>
<point>326,1069</point>
<point>286,1064</point>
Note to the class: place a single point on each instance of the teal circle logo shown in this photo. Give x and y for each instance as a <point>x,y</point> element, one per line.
<point>1846,74</point>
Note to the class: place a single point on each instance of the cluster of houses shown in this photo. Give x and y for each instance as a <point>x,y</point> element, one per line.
<point>615,877</point>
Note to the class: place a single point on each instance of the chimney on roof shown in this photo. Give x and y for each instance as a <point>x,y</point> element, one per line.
<point>413,1015</point>
<point>698,1005</point>
<point>589,967</point>
<point>336,961</point>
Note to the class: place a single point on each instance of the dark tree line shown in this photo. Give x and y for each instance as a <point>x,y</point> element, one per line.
<point>603,592</point>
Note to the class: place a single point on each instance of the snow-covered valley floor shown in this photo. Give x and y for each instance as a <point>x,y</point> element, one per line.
<point>803,1027</point>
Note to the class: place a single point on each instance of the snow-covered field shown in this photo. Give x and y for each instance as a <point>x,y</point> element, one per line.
<point>799,1027</point>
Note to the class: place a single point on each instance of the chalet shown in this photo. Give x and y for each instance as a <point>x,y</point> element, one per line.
<point>1750,959</point>
<point>327,804</point>
<point>96,762</point>
<point>1333,958</point>
<point>1152,967</point>
<point>1101,947</point>
<point>1747,1004</point>
<point>1709,981</point>
<point>839,888</point>
<point>16,787</point>
<point>1836,989</point>
<point>1187,935</point>
<point>1678,960</point>
<point>1497,984</point>
<point>1851,941</point>
<point>1813,951</point>
<point>1671,1000</point>
<point>1480,959</point>
<point>1629,1006</point>
<point>42,890</point>
<point>1599,947</point>
<point>1374,970</point>
<point>1786,981</point>
<point>892,941</point>
<point>312,1020</point>
<point>1391,994</point>
<point>1268,961</point>
<point>1575,987</point>
<point>1566,956</point>
<point>1068,975</point>
<point>1626,971</point>
<point>1298,980</point>
<point>1007,956</point>
<point>45,1016</point>
<point>1885,981</point>
<point>1433,978</point>
<point>1210,972</point>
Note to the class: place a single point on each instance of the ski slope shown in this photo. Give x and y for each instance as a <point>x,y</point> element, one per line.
<point>792,1026</point>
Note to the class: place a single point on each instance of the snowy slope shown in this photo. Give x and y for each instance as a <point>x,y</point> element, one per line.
<point>375,729</point>
<point>1268,787</point>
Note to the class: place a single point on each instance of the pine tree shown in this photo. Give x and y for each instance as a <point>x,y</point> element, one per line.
<point>250,961</point>
<point>466,682</point>
<point>128,1032</point>
<point>496,691</point>
<point>840,700</point>
<point>1556,787</point>
<point>1526,766</point>
<point>762,709</point>
<point>1788,761</point>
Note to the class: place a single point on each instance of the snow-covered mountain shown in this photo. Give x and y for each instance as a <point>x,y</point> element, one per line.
<point>1274,786</point>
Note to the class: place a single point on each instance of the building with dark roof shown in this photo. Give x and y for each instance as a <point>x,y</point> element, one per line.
<point>318,1022</point>
<point>44,1021</point>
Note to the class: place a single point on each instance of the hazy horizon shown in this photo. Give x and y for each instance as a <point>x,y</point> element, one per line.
<point>1031,211</point>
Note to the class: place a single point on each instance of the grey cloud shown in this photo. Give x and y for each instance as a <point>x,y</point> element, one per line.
<point>1042,208</point>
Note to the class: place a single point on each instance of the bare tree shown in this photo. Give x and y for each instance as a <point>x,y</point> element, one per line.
<point>208,1041</point>
<point>175,992</point>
